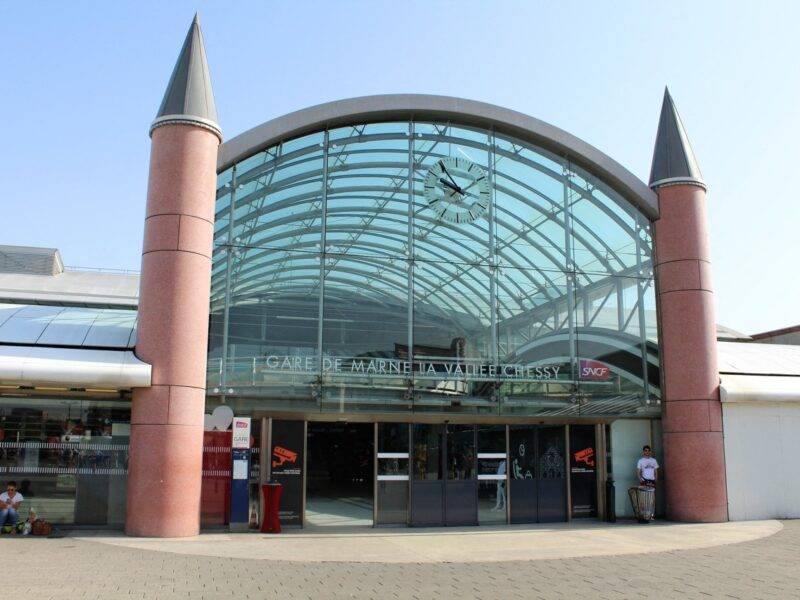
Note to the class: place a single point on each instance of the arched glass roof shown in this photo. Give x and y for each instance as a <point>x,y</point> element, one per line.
<point>334,239</point>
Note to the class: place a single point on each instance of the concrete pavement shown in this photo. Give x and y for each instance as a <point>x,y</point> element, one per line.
<point>461,544</point>
<point>81,566</point>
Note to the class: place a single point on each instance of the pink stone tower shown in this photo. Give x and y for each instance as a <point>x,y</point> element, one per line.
<point>694,457</point>
<point>165,466</point>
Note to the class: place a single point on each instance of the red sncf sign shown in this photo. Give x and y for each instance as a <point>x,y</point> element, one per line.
<point>594,370</point>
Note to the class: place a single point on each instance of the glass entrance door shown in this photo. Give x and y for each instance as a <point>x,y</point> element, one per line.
<point>537,474</point>
<point>427,483</point>
<point>461,486</point>
<point>392,464</point>
<point>444,485</point>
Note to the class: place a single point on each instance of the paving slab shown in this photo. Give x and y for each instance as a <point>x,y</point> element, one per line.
<point>451,545</point>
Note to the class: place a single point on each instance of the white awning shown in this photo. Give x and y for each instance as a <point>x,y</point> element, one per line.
<point>759,388</point>
<point>40,366</point>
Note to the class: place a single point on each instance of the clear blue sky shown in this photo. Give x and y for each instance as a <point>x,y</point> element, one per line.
<point>81,82</point>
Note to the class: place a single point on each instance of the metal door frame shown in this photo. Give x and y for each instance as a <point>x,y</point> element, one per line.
<point>537,427</point>
<point>443,466</point>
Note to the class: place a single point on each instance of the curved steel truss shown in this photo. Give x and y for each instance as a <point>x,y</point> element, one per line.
<point>340,214</point>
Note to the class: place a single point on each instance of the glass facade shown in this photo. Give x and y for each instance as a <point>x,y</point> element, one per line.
<point>68,457</point>
<point>432,268</point>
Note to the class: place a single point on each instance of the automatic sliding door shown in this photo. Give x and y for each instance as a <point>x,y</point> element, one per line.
<point>427,477</point>
<point>492,474</point>
<point>392,475</point>
<point>552,474</point>
<point>461,489</point>
<point>523,474</point>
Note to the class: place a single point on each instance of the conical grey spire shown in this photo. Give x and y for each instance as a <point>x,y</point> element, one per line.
<point>189,97</point>
<point>673,158</point>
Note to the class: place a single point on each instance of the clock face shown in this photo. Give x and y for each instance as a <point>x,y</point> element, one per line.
<point>457,190</point>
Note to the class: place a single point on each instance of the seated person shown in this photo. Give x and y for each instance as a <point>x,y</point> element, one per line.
<point>10,501</point>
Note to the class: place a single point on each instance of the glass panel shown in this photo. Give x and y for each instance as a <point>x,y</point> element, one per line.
<point>69,327</point>
<point>68,457</point>
<point>428,447</point>
<point>551,461</point>
<point>520,260</point>
<point>25,326</point>
<point>393,494</point>
<point>393,440</point>
<point>367,201</point>
<point>6,312</point>
<point>112,329</point>
<point>460,452</point>
<point>522,444</point>
<point>492,474</point>
<point>365,333</point>
<point>272,332</point>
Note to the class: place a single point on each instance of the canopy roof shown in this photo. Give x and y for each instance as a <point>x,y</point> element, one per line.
<point>67,326</point>
<point>422,107</point>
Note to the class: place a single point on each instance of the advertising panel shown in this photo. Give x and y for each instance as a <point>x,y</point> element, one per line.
<point>583,468</point>
<point>288,442</point>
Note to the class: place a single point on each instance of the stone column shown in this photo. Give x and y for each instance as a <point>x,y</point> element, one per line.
<point>691,410</point>
<point>167,418</point>
<point>166,447</point>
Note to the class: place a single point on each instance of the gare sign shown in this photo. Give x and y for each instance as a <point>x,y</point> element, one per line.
<point>439,369</point>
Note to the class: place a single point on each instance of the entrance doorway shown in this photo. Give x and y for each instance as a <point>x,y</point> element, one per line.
<point>339,474</point>
<point>444,483</point>
<point>537,471</point>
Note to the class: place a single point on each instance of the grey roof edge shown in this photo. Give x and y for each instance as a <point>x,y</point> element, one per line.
<point>186,120</point>
<point>423,106</point>
<point>674,162</point>
<point>189,97</point>
<point>668,181</point>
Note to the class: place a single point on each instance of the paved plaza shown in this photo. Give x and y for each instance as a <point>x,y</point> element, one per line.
<point>715,565</point>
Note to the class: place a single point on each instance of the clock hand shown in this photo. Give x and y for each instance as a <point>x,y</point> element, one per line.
<point>446,172</point>
<point>471,184</point>
<point>452,186</point>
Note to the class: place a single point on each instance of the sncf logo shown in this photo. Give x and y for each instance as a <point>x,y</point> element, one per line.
<point>594,370</point>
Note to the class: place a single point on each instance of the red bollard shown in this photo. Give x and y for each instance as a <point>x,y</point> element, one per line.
<point>271,523</point>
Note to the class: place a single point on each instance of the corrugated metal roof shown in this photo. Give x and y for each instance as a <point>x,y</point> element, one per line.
<point>730,335</point>
<point>742,358</point>
<point>38,325</point>
<point>30,260</point>
<point>72,288</point>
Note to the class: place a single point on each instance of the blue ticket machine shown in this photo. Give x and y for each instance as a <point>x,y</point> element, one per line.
<point>240,475</point>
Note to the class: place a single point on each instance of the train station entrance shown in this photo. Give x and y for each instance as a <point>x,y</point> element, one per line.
<point>339,474</point>
<point>434,474</point>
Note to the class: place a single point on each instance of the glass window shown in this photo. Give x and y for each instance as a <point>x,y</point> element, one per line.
<point>428,448</point>
<point>515,261</point>
<point>492,474</point>
<point>461,452</point>
<point>393,474</point>
<point>68,457</point>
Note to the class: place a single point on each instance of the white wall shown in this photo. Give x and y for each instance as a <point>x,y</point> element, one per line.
<point>762,459</point>
<point>627,438</point>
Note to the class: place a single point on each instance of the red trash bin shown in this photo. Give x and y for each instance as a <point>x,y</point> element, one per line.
<point>271,523</point>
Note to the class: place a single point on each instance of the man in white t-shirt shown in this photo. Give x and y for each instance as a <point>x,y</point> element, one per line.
<point>9,504</point>
<point>647,468</point>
